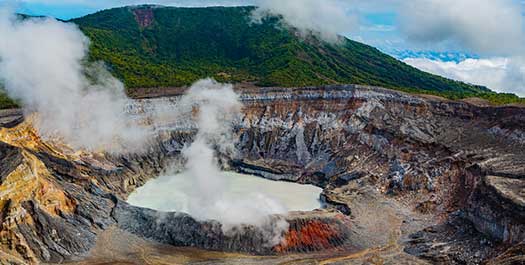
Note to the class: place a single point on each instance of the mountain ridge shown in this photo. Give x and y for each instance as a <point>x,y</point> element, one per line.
<point>156,46</point>
<point>227,45</point>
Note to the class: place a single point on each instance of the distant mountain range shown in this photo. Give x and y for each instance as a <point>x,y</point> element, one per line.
<point>432,55</point>
<point>152,46</point>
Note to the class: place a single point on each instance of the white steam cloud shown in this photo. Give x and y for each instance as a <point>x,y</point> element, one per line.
<point>326,18</point>
<point>42,63</point>
<point>216,107</point>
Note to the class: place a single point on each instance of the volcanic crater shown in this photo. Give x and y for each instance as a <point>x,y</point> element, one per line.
<point>405,178</point>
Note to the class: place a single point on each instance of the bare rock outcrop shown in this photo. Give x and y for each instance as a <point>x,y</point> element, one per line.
<point>307,232</point>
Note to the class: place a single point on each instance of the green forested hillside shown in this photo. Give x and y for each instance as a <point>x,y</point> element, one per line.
<point>184,44</point>
<point>150,46</point>
<point>165,46</point>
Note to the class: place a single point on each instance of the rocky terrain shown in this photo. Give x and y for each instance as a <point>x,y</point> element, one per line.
<point>407,179</point>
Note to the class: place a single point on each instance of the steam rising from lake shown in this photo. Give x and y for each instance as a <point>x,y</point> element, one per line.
<point>215,108</point>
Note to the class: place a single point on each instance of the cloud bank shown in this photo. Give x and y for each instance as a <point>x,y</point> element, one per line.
<point>42,63</point>
<point>494,27</point>
<point>495,30</point>
<point>500,74</point>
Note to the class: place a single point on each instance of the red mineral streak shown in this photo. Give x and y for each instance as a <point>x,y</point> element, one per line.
<point>312,235</point>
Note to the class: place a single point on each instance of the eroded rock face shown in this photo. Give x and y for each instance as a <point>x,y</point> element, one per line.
<point>144,17</point>
<point>54,201</point>
<point>497,207</point>
<point>423,157</point>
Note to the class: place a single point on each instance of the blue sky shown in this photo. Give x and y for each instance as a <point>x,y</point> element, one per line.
<point>62,11</point>
<point>459,39</point>
<point>379,28</point>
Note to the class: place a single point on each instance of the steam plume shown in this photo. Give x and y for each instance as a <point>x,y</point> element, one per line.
<point>42,63</point>
<point>218,106</point>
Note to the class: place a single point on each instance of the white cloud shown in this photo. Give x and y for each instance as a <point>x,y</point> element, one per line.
<point>491,27</point>
<point>494,29</point>
<point>326,18</point>
<point>500,74</point>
